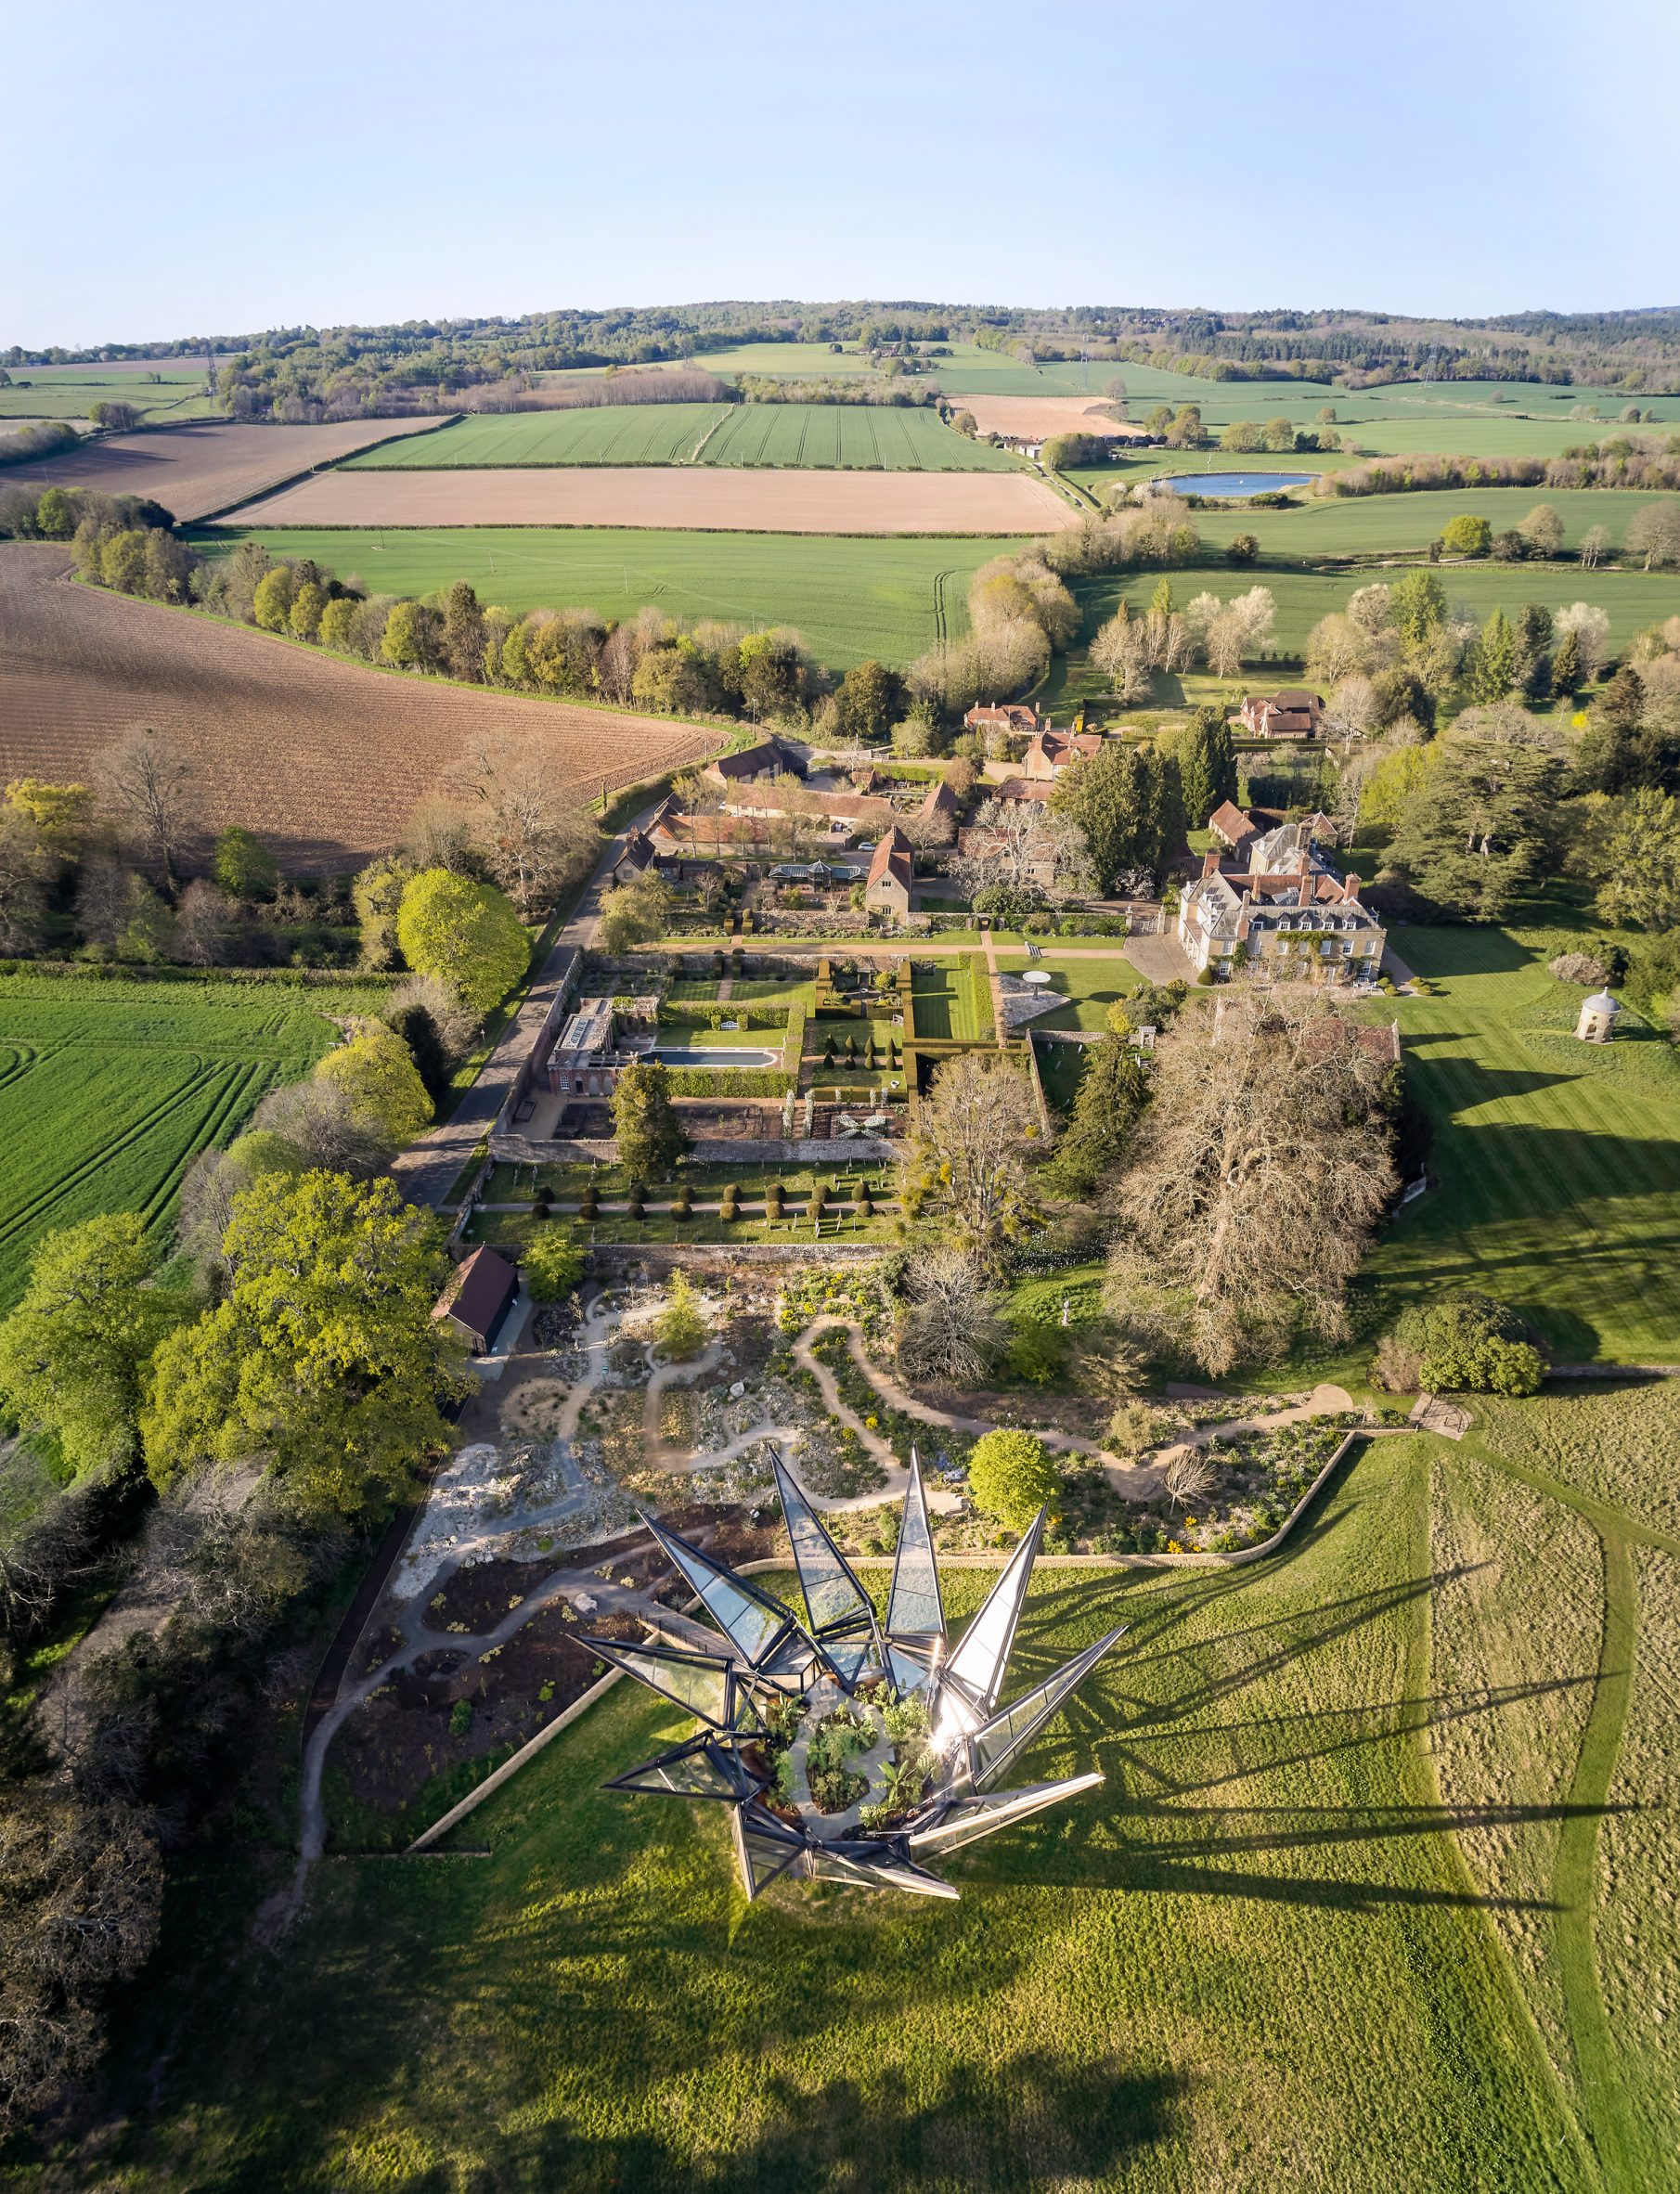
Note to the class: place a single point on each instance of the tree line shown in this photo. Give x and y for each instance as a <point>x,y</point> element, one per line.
<point>1622,462</point>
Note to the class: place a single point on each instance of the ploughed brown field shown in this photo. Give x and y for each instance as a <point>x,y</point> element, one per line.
<point>194,469</point>
<point>321,759</point>
<point>699,498</point>
<point>1042,415</point>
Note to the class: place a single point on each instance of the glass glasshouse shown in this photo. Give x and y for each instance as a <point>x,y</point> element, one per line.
<point>850,1748</point>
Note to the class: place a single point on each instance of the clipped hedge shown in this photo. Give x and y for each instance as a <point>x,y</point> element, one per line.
<point>728,1081</point>
<point>698,1013</point>
<point>793,1048</point>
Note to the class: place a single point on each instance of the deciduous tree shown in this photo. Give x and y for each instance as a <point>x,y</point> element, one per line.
<point>464,933</point>
<point>967,1158</point>
<point>1259,1169</point>
<point>1010,1477</point>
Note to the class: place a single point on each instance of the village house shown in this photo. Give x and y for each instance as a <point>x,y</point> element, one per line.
<point>1052,752</point>
<point>1022,788</point>
<point>480,1293</point>
<point>766,758</point>
<point>1297,714</point>
<point>938,813</point>
<point>892,876</point>
<point>1280,905</point>
<point>639,855</point>
<point>1239,827</point>
<point>1019,717</point>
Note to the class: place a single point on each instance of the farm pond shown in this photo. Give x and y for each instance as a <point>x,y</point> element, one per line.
<point>1235,485</point>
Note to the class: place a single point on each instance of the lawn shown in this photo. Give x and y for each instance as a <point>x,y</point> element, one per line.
<point>1253,1958</point>
<point>849,597</point>
<point>1558,1162</point>
<point>108,1090</point>
<point>808,436</point>
<point>1090,986</point>
<point>953,1001</point>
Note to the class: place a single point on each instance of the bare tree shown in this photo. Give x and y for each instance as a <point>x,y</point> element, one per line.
<point>951,1329</point>
<point>148,787</point>
<point>438,834</point>
<point>1013,841</point>
<point>1594,546</point>
<point>967,1158</point>
<point>1261,1166</point>
<point>1187,1478</point>
<point>204,924</point>
<point>534,842</point>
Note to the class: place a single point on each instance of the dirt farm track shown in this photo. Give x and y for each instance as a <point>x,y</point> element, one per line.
<point>194,469</point>
<point>321,759</point>
<point>702,498</point>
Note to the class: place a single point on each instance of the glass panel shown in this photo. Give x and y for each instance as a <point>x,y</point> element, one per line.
<point>980,1657</point>
<point>753,1621</point>
<point>832,1594</point>
<point>692,1680</point>
<point>701,1770</point>
<point>909,1672</point>
<point>760,1855</point>
<point>1009,1733</point>
<point>849,1657</point>
<point>912,1607</point>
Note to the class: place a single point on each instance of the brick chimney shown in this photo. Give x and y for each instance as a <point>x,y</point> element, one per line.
<point>1304,894</point>
<point>1349,886</point>
<point>1211,861</point>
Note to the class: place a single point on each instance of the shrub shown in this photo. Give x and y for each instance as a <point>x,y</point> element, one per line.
<point>1037,1352</point>
<point>679,1328</point>
<point>1010,1477</point>
<point>1579,967</point>
<point>1464,1343</point>
<point>553,1264</point>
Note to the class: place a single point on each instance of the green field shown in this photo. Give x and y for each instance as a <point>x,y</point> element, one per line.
<point>65,392</point>
<point>108,1090</point>
<point>784,361</point>
<point>1405,524</point>
<point>1559,1162</point>
<point>849,436</point>
<point>847,597</point>
<point>1254,1958</point>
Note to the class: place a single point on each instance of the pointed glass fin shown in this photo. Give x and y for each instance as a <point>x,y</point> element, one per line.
<point>913,1608</point>
<point>979,1660</point>
<point>753,1622</point>
<point>884,1869</point>
<point>997,1742</point>
<point>696,1681</point>
<point>971,1818</point>
<point>703,1769</point>
<point>832,1595</point>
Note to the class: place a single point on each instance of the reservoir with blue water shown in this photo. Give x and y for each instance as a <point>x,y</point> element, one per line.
<point>1234,485</point>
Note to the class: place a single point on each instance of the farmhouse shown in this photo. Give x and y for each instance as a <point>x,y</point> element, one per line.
<point>1297,714</point>
<point>1022,788</point>
<point>477,1299</point>
<point>1053,752</point>
<point>936,814</point>
<point>1280,905</point>
<point>892,875</point>
<point>1003,715</point>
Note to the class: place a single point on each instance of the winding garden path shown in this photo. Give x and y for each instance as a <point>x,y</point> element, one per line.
<point>434,1553</point>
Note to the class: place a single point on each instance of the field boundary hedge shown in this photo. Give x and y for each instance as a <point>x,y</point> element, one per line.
<point>297,978</point>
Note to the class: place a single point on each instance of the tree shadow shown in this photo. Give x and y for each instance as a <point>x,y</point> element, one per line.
<point>1473,950</point>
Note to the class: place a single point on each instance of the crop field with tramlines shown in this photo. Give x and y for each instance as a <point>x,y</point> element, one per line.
<point>108,1090</point>
<point>804,436</point>
<point>324,757</point>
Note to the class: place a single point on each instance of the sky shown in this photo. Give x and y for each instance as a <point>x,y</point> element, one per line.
<point>364,162</point>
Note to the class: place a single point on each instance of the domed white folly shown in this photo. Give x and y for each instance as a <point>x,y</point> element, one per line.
<point>850,1748</point>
